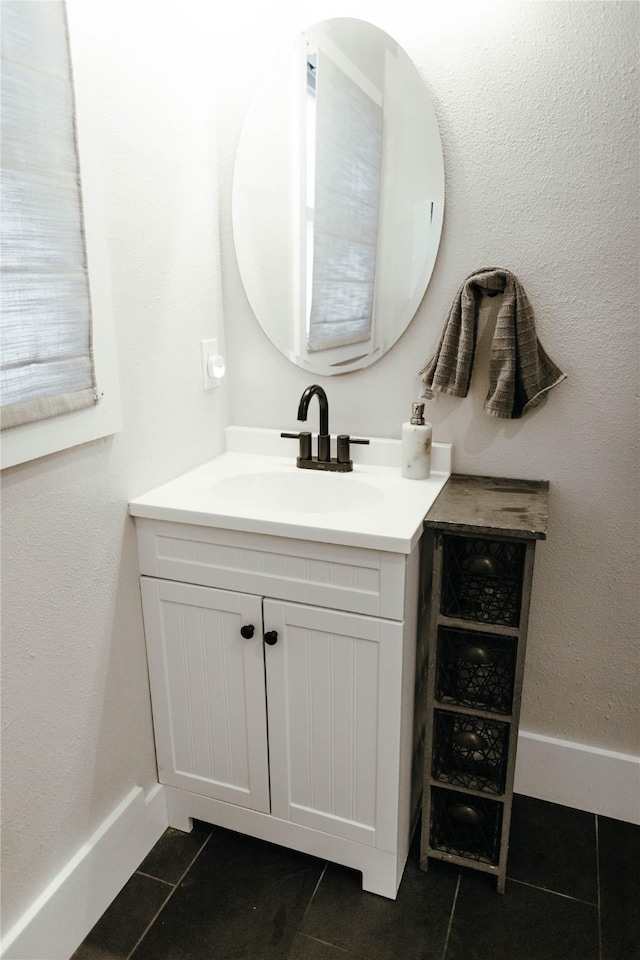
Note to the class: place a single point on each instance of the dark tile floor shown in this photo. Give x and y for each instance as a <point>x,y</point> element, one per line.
<point>573,893</point>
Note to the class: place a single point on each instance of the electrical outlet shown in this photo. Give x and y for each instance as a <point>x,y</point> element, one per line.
<point>212,364</point>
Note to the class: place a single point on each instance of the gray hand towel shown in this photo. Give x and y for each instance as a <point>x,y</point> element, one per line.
<point>520,371</point>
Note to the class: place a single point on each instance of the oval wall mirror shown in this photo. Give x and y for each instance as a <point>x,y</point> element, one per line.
<point>338,196</point>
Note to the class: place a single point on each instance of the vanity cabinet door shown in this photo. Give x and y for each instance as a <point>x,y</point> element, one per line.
<point>334,706</point>
<point>208,691</point>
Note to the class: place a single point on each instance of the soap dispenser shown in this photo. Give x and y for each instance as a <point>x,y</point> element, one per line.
<point>416,446</point>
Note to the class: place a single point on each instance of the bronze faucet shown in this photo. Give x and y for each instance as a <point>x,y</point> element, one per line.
<point>342,463</point>
<point>324,438</point>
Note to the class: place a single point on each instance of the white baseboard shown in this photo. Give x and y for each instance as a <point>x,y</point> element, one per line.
<point>61,917</point>
<point>576,775</point>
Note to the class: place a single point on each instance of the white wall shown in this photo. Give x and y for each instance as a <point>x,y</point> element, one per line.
<point>76,720</point>
<point>536,107</point>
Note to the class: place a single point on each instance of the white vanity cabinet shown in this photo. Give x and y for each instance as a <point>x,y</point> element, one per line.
<point>307,741</point>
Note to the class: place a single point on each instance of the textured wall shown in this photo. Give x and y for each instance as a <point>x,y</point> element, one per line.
<point>537,106</point>
<point>75,711</point>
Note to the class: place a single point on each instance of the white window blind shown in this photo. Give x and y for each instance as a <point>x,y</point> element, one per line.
<point>349,129</point>
<point>46,364</point>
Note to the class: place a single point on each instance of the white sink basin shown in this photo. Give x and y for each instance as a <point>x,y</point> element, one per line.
<point>304,491</point>
<point>252,489</point>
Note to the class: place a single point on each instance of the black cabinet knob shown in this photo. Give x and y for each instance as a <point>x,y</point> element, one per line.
<point>271,637</point>
<point>248,631</point>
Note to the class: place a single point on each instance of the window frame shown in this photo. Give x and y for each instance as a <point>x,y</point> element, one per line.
<point>104,418</point>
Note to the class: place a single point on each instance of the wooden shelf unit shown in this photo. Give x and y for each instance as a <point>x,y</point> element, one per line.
<point>484,533</point>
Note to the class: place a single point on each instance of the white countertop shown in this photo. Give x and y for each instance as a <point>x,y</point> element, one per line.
<point>388,516</point>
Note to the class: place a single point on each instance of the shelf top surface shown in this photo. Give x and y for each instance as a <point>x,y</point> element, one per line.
<point>492,505</point>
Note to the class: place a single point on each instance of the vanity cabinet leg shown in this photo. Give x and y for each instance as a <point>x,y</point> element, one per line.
<point>381,877</point>
<point>177,813</point>
<point>181,822</point>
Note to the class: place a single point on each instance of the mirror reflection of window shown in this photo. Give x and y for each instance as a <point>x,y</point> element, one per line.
<point>343,227</point>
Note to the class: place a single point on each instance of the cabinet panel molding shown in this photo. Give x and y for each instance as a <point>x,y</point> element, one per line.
<point>332,680</point>
<point>207,691</point>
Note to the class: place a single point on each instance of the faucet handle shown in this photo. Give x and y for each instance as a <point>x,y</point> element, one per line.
<point>344,442</point>
<point>305,443</point>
